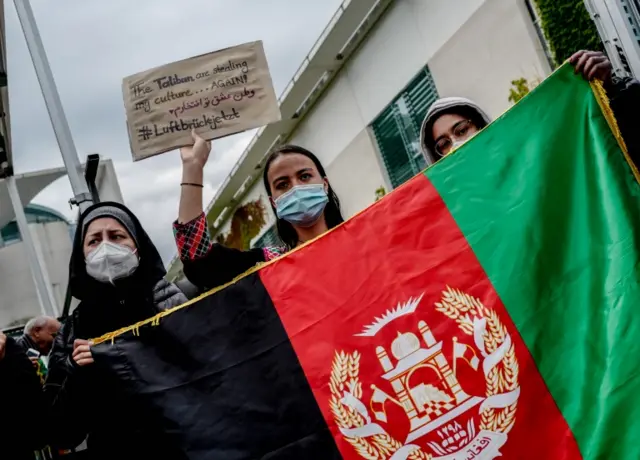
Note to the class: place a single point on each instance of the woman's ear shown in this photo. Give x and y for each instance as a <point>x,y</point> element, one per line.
<point>326,185</point>
<point>273,202</point>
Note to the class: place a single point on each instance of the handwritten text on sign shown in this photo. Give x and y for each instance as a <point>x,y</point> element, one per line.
<point>216,94</point>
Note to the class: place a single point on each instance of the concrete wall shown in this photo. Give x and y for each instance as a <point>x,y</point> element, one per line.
<point>473,48</point>
<point>19,298</point>
<point>404,41</point>
<point>481,65</point>
<point>54,243</point>
<point>356,174</point>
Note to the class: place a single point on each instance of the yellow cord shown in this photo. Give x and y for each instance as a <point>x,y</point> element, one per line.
<point>605,106</point>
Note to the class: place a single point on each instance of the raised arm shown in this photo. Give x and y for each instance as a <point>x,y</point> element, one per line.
<point>193,160</point>
<point>207,265</point>
<point>624,94</point>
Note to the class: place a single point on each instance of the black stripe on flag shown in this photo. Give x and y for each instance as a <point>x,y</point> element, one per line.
<point>223,379</point>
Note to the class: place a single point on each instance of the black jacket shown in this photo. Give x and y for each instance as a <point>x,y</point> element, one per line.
<point>220,266</point>
<point>87,401</point>
<point>624,96</point>
<point>23,411</point>
<point>26,342</point>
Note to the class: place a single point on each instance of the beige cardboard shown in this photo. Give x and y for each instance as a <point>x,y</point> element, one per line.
<point>218,94</point>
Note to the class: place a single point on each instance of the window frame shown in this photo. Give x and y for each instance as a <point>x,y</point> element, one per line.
<point>400,122</point>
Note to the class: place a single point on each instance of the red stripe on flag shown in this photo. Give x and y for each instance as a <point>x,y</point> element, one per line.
<point>374,311</point>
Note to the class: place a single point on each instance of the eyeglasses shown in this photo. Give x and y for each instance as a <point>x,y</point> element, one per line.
<point>460,133</point>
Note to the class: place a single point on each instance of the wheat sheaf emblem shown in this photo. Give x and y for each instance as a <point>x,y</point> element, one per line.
<point>349,411</point>
<point>344,377</point>
<point>503,378</point>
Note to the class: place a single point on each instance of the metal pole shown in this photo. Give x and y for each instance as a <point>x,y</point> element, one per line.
<point>90,174</point>
<point>45,295</point>
<point>54,105</point>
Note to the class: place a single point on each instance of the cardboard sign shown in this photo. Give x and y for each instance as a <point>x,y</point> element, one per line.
<point>217,94</point>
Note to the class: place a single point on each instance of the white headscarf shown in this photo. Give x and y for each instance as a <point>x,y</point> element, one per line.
<point>440,106</point>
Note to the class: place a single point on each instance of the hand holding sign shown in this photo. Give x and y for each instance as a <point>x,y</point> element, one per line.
<point>197,154</point>
<point>214,94</point>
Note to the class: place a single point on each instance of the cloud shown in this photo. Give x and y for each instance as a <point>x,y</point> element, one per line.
<point>92,45</point>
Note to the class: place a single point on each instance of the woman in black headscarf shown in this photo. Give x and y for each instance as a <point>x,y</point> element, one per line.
<point>118,275</point>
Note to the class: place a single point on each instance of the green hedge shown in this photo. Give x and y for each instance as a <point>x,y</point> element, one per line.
<point>568,27</point>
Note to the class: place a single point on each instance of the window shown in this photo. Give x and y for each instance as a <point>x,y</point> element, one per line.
<point>268,239</point>
<point>397,129</point>
<point>632,11</point>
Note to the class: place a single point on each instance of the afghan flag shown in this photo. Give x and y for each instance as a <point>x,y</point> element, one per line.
<point>489,307</point>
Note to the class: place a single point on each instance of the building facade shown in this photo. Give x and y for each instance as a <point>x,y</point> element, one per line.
<point>362,118</point>
<point>52,235</point>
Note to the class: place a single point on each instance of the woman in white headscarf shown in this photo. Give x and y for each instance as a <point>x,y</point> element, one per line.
<point>451,121</point>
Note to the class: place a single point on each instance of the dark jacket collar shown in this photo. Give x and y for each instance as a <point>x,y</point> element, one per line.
<point>26,342</point>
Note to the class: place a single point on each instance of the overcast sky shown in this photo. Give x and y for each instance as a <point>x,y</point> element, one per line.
<point>93,44</point>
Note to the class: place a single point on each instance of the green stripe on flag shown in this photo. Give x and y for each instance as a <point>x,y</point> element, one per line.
<point>550,208</point>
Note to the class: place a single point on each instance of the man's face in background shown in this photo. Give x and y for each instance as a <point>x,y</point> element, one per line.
<point>45,336</point>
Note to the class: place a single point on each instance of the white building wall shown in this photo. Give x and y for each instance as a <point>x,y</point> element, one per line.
<point>19,299</point>
<point>333,123</point>
<point>356,176</point>
<point>55,245</point>
<point>402,44</point>
<point>482,70</point>
<point>473,48</point>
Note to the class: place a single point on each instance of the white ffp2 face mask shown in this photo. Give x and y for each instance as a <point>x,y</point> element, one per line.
<point>110,262</point>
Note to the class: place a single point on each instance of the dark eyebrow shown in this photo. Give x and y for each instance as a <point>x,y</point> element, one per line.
<point>459,123</point>
<point>303,170</point>
<point>445,136</point>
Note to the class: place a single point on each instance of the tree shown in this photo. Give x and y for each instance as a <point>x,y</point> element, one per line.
<point>519,89</point>
<point>567,27</point>
<point>246,223</point>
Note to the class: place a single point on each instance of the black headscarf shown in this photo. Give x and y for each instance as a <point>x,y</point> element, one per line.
<point>105,307</point>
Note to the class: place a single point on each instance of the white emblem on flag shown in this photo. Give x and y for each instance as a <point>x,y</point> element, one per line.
<point>444,421</point>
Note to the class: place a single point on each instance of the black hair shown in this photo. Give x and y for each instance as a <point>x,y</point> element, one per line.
<point>332,214</point>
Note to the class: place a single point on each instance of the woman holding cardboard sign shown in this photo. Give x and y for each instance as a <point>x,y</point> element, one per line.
<point>300,195</point>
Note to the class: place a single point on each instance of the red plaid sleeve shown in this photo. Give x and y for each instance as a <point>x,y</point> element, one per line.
<point>192,238</point>
<point>273,252</point>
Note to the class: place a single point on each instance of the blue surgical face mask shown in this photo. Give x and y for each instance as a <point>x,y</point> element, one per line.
<point>303,205</point>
